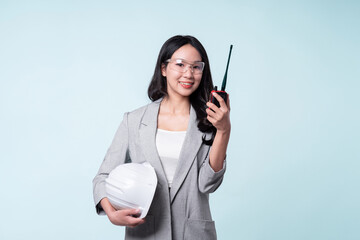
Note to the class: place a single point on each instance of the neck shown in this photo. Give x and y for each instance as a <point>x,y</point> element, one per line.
<point>176,105</point>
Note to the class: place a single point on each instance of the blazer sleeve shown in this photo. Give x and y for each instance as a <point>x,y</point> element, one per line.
<point>118,153</point>
<point>209,180</point>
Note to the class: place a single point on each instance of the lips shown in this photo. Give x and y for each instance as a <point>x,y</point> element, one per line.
<point>186,84</point>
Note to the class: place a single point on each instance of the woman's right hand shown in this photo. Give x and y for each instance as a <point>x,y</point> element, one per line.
<point>124,217</point>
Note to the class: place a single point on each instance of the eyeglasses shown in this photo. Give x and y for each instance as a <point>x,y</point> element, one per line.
<point>180,65</point>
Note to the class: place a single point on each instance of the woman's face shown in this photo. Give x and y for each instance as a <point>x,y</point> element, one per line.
<point>183,84</point>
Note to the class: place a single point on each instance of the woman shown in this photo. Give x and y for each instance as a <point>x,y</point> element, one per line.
<point>183,136</point>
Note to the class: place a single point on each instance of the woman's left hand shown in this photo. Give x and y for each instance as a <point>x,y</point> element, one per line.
<point>219,117</point>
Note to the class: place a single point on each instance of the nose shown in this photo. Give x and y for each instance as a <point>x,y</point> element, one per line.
<point>188,74</point>
<point>189,67</point>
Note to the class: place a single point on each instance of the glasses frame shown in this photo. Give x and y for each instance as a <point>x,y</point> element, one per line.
<point>188,63</point>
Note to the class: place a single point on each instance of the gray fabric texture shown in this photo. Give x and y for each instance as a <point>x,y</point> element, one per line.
<point>182,212</point>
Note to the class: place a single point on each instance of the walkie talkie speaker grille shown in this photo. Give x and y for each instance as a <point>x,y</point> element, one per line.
<point>132,185</point>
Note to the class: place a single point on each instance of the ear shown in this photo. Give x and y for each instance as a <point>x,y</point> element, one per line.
<point>163,70</point>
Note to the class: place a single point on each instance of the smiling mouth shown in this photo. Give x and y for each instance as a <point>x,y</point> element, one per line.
<point>186,83</point>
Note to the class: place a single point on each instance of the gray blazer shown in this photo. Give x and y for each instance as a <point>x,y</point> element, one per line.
<point>181,212</point>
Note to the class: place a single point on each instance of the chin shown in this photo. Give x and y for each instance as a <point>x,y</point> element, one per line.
<point>187,93</point>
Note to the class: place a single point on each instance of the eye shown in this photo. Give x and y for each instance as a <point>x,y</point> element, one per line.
<point>179,63</point>
<point>198,66</point>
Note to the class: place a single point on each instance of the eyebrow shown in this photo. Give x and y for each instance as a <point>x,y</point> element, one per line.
<point>187,60</point>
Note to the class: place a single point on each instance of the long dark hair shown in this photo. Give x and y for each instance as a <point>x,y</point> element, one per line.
<point>158,87</point>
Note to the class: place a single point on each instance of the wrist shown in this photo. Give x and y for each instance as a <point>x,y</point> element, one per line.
<point>223,132</point>
<point>106,205</point>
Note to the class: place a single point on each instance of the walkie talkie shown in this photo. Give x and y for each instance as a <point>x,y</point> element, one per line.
<point>222,93</point>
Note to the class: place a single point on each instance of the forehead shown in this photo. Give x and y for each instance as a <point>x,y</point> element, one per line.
<point>188,53</point>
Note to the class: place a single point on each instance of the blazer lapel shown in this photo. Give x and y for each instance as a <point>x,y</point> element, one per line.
<point>190,148</point>
<point>147,134</point>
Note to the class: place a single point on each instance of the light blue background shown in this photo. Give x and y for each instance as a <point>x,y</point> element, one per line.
<point>70,69</point>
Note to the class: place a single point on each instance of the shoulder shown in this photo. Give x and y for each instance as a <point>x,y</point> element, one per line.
<point>137,114</point>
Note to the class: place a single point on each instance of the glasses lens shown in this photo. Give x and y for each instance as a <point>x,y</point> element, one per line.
<point>198,67</point>
<point>180,65</point>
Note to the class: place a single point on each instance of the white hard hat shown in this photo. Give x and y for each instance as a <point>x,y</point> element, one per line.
<point>132,185</point>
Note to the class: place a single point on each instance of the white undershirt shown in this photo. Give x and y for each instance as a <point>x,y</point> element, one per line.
<point>169,144</point>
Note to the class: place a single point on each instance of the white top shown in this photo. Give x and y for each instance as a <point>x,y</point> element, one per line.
<point>169,144</point>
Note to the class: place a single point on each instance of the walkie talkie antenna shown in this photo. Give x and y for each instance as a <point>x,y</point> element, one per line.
<point>223,86</point>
